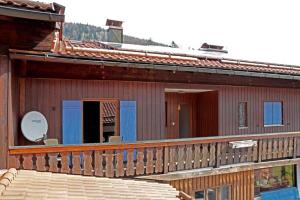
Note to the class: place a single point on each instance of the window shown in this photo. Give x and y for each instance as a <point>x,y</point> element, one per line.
<point>274,178</point>
<point>243,119</point>
<point>225,193</point>
<point>220,193</point>
<point>100,120</point>
<point>211,194</point>
<point>272,113</point>
<point>199,195</point>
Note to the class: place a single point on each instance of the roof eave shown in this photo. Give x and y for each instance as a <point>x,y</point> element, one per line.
<point>31,14</point>
<point>52,57</point>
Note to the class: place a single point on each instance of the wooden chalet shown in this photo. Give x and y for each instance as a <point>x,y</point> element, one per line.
<point>212,127</point>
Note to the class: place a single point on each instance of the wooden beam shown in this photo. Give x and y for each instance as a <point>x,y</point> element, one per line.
<point>186,174</point>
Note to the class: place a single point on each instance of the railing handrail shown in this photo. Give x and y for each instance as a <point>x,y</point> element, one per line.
<point>15,150</point>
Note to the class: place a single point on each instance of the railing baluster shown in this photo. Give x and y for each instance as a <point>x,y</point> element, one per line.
<point>159,160</point>
<point>109,159</point>
<point>65,162</point>
<point>14,161</point>
<point>230,155</point>
<point>249,156</point>
<point>189,157</point>
<point>130,163</point>
<point>87,165</point>
<point>98,163</point>
<point>285,147</point>
<point>119,163</point>
<point>291,146</point>
<point>149,162</point>
<point>205,155</point>
<point>76,163</point>
<point>237,154</point>
<point>181,157</point>
<point>40,162</point>
<point>270,148</point>
<point>255,152</point>
<point>166,159</point>
<point>27,161</point>
<point>212,154</point>
<point>275,148</point>
<point>264,150</point>
<point>172,159</point>
<point>140,162</point>
<point>52,162</point>
<point>295,147</point>
<point>197,156</point>
<point>280,148</point>
<point>218,154</point>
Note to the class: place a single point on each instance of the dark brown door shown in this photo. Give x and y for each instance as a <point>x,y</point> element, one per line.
<point>184,121</point>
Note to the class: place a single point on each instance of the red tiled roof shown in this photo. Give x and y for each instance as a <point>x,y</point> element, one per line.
<point>30,5</point>
<point>98,50</point>
<point>27,184</point>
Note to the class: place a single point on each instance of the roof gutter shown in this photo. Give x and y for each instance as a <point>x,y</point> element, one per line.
<point>31,14</point>
<point>44,57</point>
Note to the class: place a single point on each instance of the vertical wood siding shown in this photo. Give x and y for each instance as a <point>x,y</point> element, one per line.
<point>229,97</point>
<point>46,95</point>
<point>241,183</point>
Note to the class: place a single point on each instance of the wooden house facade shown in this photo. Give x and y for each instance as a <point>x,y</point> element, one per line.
<point>181,117</point>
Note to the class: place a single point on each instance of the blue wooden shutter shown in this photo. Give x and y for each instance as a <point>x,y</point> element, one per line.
<point>268,113</point>
<point>128,123</point>
<point>72,122</point>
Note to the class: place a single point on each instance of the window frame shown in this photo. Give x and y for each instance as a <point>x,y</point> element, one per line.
<point>272,115</point>
<point>217,189</point>
<point>117,118</point>
<point>246,115</point>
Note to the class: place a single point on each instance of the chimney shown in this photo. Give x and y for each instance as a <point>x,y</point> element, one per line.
<point>115,31</point>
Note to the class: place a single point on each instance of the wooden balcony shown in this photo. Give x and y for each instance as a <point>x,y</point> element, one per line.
<point>154,157</point>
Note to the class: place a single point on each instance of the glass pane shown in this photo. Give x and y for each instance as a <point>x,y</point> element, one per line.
<point>109,116</point>
<point>225,193</point>
<point>277,113</point>
<point>199,195</point>
<point>268,113</point>
<point>242,114</point>
<point>274,178</point>
<point>211,194</point>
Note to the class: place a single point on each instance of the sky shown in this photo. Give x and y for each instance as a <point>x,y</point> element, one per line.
<point>261,30</point>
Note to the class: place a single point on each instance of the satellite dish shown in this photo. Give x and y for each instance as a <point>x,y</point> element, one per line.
<point>34,126</point>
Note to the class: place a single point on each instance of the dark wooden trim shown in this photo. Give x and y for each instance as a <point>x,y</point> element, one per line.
<point>31,14</point>
<point>143,144</point>
<point>32,56</point>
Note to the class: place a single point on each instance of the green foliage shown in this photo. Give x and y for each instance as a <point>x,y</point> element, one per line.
<point>78,31</point>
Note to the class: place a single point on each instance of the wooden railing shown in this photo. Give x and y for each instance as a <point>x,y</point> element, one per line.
<point>153,157</point>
